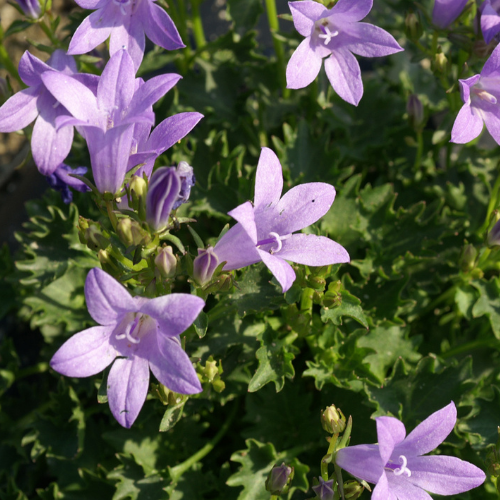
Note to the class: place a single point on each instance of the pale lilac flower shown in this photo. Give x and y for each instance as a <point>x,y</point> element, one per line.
<point>126,22</point>
<point>142,333</point>
<point>490,19</point>
<point>481,94</point>
<point>397,466</point>
<point>264,229</point>
<point>49,145</point>
<point>337,33</point>
<point>62,181</point>
<point>446,11</point>
<point>31,8</point>
<point>109,118</point>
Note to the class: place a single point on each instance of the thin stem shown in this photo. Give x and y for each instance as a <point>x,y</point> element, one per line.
<point>7,61</point>
<point>327,458</point>
<point>49,34</point>
<point>420,149</point>
<point>177,471</point>
<point>199,34</point>
<point>466,348</point>
<point>492,205</point>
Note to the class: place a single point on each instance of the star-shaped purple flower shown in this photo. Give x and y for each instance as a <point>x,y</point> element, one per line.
<point>446,11</point>
<point>142,333</point>
<point>397,466</point>
<point>481,95</point>
<point>264,229</point>
<point>127,22</point>
<point>49,145</point>
<point>490,19</point>
<point>337,33</point>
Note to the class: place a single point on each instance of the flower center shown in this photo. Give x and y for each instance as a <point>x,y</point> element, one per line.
<point>133,327</point>
<point>484,95</point>
<point>399,470</point>
<point>326,30</point>
<point>122,4</point>
<point>275,238</point>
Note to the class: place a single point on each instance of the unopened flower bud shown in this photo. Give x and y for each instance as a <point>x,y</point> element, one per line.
<point>138,191</point>
<point>131,233</point>
<point>185,173</point>
<point>468,258</point>
<point>164,188</point>
<point>95,239</point>
<point>333,420</point>
<point>493,458</point>
<point>415,110</point>
<point>31,8</point>
<point>324,489</point>
<point>352,490</point>
<point>440,62</point>
<point>413,26</point>
<point>211,370</point>
<point>494,235</point>
<point>204,265</point>
<point>166,262</point>
<point>279,479</point>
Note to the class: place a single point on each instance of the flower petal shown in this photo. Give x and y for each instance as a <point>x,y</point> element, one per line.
<point>107,300</point>
<point>368,40</point>
<point>382,490</point>
<point>174,313</point>
<point>85,353</point>
<point>490,113</point>
<point>282,271</point>
<point>20,109</point>
<point>303,67</point>
<point>244,214</point>
<point>94,30</point>
<point>446,11</point>
<point>430,433</point>
<point>444,475</point>
<point>62,62</point>
<point>159,28</point>
<point>128,383</point>
<point>30,69</point>
<point>129,36</point>
<point>490,22</point>
<point>404,489</point>
<point>344,74</point>
<point>268,179</point>
<point>362,461</point>
<point>491,68</point>
<point>468,125</point>
<point>353,11</point>
<point>237,249</point>
<point>390,432</point>
<point>305,13</point>
<point>312,250</point>
<point>171,366</point>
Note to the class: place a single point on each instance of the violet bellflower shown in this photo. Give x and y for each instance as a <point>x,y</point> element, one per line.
<point>336,33</point>
<point>481,96</point>
<point>446,11</point>
<point>490,19</point>
<point>397,465</point>
<point>49,145</point>
<point>142,333</point>
<point>163,191</point>
<point>109,118</point>
<point>126,22</point>
<point>264,229</point>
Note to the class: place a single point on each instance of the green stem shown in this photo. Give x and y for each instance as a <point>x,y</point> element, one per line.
<point>324,462</point>
<point>199,34</point>
<point>466,348</point>
<point>32,370</point>
<point>420,149</point>
<point>177,471</point>
<point>49,34</point>
<point>272,17</point>
<point>492,205</point>
<point>450,293</point>
<point>6,60</point>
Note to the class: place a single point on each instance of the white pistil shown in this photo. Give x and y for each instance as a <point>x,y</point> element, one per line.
<point>485,96</point>
<point>327,35</point>
<point>276,236</point>
<point>129,330</point>
<point>399,471</point>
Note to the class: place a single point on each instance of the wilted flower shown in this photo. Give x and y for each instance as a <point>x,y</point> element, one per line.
<point>204,265</point>
<point>163,191</point>
<point>397,466</point>
<point>446,11</point>
<point>339,34</point>
<point>279,479</point>
<point>142,333</point>
<point>186,176</point>
<point>61,181</point>
<point>324,490</point>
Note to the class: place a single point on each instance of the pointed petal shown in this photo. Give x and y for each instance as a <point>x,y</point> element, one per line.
<point>171,366</point>
<point>147,158</point>
<point>94,30</point>
<point>305,13</point>
<point>268,179</point>
<point>490,22</point>
<point>446,11</point>
<point>107,300</point>
<point>404,489</point>
<point>344,74</point>
<point>361,461</point>
<point>90,81</point>
<point>382,490</point>
<point>466,85</point>
<point>491,67</point>
<point>159,28</point>
<point>353,11</point>
<point>19,110</point>
<point>152,91</point>
<point>368,40</point>
<point>62,62</point>
<point>85,353</point>
<point>430,433</point>
<point>390,432</point>
<point>128,383</point>
<point>444,475</point>
<point>237,249</point>
<point>171,130</point>
<point>312,250</point>
<point>303,67</point>
<point>174,313</point>
<point>129,36</point>
<point>30,69</point>
<point>117,84</point>
<point>244,214</point>
<point>91,4</point>
<point>491,116</point>
<point>282,271</point>
<point>468,125</point>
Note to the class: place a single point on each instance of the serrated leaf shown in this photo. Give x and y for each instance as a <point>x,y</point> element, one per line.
<point>350,307</point>
<point>488,302</point>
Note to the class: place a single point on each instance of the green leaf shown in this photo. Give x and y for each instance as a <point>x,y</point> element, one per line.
<point>488,302</point>
<point>350,307</point>
<point>244,13</point>
<point>172,415</point>
<point>275,362</point>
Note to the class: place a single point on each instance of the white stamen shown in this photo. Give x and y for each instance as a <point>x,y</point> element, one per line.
<point>276,236</point>
<point>399,471</point>
<point>128,332</point>
<point>328,35</point>
<point>485,96</point>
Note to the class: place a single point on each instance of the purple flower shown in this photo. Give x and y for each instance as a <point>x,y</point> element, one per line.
<point>31,8</point>
<point>490,19</point>
<point>126,21</point>
<point>187,178</point>
<point>204,265</point>
<point>324,490</point>
<point>142,333</point>
<point>264,229</point>
<point>480,93</point>
<point>163,192</point>
<point>446,11</point>
<point>337,33</point>
<point>110,117</point>
<point>397,466</point>
<point>49,145</point>
<point>61,181</point>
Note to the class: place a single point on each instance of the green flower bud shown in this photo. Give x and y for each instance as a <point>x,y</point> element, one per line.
<point>279,479</point>
<point>95,239</point>
<point>166,262</point>
<point>333,420</point>
<point>352,490</point>
<point>138,191</point>
<point>131,233</point>
<point>413,26</point>
<point>440,62</point>
<point>415,111</point>
<point>468,258</point>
